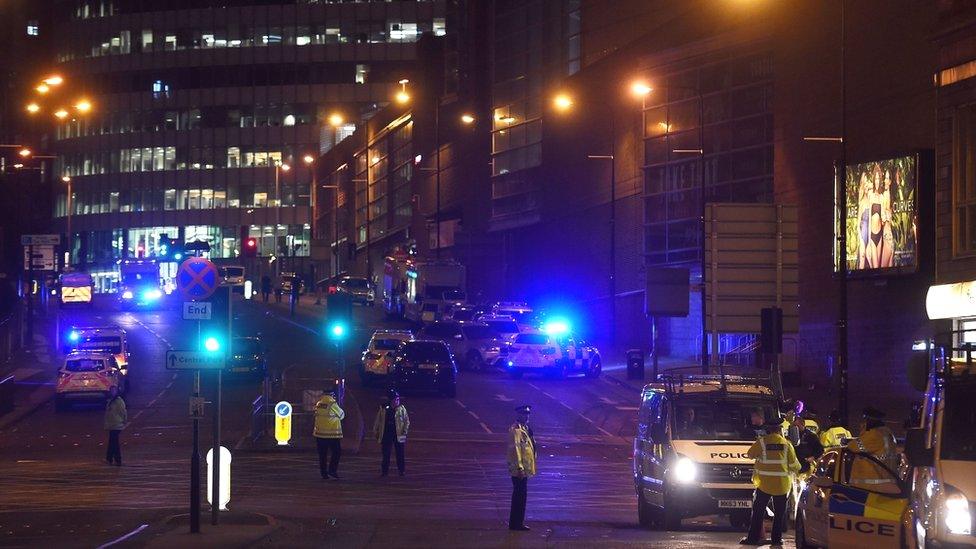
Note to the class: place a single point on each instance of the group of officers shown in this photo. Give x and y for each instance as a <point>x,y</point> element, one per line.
<point>786,449</point>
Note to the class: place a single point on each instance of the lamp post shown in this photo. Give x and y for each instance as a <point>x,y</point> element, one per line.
<point>278,167</point>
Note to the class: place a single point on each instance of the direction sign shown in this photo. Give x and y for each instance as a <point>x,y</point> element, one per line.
<point>197,310</point>
<point>283,422</point>
<point>40,239</point>
<point>194,360</point>
<point>197,278</point>
<point>43,259</point>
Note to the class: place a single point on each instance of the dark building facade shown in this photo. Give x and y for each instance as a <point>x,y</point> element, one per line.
<point>203,114</point>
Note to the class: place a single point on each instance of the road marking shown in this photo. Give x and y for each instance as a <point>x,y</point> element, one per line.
<point>482,423</point>
<point>504,398</point>
<point>564,405</point>
<point>125,537</point>
<point>628,408</point>
<point>461,404</point>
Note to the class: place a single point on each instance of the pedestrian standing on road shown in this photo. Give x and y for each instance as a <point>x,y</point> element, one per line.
<point>115,419</point>
<point>278,293</point>
<point>390,429</point>
<point>328,434</point>
<point>265,287</point>
<point>775,463</point>
<point>296,289</point>
<point>521,465</point>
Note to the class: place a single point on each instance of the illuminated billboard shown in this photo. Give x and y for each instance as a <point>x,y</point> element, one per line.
<point>882,216</point>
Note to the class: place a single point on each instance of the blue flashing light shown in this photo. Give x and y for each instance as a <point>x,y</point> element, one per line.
<point>74,335</point>
<point>556,327</point>
<point>127,294</point>
<point>211,344</point>
<point>510,364</point>
<point>412,273</point>
<point>152,295</point>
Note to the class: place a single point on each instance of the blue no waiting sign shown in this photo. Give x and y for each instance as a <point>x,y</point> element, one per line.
<point>197,278</point>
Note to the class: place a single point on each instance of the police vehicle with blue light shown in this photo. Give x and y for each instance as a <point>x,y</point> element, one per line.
<point>139,284</point>
<point>553,350</point>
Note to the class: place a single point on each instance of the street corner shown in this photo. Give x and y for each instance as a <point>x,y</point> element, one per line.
<point>235,529</point>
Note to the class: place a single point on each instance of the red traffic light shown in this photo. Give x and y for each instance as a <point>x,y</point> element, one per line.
<point>250,247</point>
<point>252,242</point>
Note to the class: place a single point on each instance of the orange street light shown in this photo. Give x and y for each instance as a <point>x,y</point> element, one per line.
<point>308,159</point>
<point>285,167</point>
<point>61,113</point>
<point>467,118</point>
<point>24,153</point>
<point>335,119</point>
<point>640,88</point>
<point>66,179</point>
<point>42,88</point>
<point>83,105</point>
<point>562,102</point>
<point>402,96</point>
<point>54,80</point>
<point>33,107</point>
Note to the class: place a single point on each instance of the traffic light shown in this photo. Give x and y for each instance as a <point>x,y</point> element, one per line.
<point>250,247</point>
<point>338,317</point>
<point>337,330</point>
<point>211,344</point>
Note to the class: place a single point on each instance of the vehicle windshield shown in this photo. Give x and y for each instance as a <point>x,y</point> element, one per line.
<point>108,344</point>
<point>532,339</point>
<point>718,419</point>
<point>386,344</point>
<point>358,283</point>
<point>479,332</point>
<point>247,346</point>
<point>958,442</point>
<point>84,365</point>
<point>503,326</point>
<point>454,295</point>
<point>426,351</point>
<point>233,271</point>
<point>463,314</point>
<point>137,278</point>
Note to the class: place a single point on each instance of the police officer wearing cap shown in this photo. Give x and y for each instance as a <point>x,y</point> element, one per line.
<point>390,428</point>
<point>521,465</point>
<point>876,439</point>
<point>775,463</point>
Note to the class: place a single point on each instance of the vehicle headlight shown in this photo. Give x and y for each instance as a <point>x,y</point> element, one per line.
<point>957,517</point>
<point>127,294</point>
<point>152,294</point>
<point>493,348</point>
<point>685,470</point>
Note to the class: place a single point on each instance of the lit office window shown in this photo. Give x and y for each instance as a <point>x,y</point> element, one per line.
<point>362,71</point>
<point>440,27</point>
<point>32,28</point>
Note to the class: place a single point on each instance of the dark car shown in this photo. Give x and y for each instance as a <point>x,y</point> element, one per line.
<point>247,357</point>
<point>359,289</point>
<point>425,365</point>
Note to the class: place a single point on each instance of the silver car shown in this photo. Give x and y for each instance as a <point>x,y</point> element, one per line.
<point>359,289</point>
<point>475,345</point>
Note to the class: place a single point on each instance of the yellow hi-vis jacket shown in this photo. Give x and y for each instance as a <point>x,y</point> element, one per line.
<point>880,443</point>
<point>833,437</point>
<point>521,451</point>
<point>775,462</point>
<point>328,418</point>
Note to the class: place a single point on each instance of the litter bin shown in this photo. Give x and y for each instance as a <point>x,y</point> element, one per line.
<point>635,364</point>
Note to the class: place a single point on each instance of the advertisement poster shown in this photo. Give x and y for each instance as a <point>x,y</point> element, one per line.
<point>882,215</point>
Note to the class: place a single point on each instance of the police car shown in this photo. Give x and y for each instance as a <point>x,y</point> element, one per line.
<point>841,507</point>
<point>110,339</point>
<point>87,377</point>
<point>554,354</point>
<point>377,358</point>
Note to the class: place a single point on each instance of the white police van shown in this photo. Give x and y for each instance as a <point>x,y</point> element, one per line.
<point>693,432</point>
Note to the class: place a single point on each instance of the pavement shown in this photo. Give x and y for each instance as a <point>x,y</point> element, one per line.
<point>58,491</point>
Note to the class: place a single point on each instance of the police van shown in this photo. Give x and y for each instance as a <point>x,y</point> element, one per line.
<point>693,433</point>
<point>941,450</point>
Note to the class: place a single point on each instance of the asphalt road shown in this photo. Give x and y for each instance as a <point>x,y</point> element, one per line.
<point>57,490</point>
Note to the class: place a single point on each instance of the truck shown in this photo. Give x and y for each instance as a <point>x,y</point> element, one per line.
<point>940,448</point>
<point>139,284</point>
<point>420,290</point>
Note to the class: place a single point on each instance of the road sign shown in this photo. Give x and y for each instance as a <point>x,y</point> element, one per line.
<point>197,310</point>
<point>40,239</point>
<point>196,407</point>
<point>197,278</point>
<point>282,422</point>
<point>43,258</point>
<point>194,360</point>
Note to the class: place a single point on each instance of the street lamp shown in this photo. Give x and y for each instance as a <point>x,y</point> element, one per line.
<point>33,108</point>
<point>42,88</point>
<point>25,152</point>
<point>402,96</point>
<point>278,168</point>
<point>83,105</point>
<point>562,102</point>
<point>335,120</point>
<point>61,114</point>
<point>53,80</point>
<point>467,118</point>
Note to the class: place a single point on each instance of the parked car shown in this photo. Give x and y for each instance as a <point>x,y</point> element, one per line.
<point>87,377</point>
<point>247,357</point>
<point>425,365</point>
<point>475,344</point>
<point>358,288</point>
<point>378,356</point>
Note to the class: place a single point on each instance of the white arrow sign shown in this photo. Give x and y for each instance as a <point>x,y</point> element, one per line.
<point>194,360</point>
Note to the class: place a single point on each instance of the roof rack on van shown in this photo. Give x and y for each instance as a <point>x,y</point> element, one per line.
<point>674,383</point>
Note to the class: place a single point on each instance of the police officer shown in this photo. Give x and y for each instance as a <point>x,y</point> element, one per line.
<point>328,434</point>
<point>876,439</point>
<point>390,428</point>
<point>521,465</point>
<point>775,462</point>
<point>835,435</point>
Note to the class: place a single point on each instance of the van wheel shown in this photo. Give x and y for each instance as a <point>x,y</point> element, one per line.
<point>645,512</point>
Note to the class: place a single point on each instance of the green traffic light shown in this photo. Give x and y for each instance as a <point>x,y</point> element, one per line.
<point>337,330</point>
<point>211,344</point>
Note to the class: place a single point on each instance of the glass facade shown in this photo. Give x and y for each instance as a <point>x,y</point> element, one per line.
<point>727,103</point>
<point>382,180</point>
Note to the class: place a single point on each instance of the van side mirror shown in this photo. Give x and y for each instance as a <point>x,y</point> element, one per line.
<point>658,434</point>
<point>916,452</point>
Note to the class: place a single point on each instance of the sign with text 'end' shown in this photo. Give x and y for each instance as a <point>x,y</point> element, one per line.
<point>197,310</point>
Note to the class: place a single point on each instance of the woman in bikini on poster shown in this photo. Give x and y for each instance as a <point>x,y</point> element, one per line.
<point>879,252</point>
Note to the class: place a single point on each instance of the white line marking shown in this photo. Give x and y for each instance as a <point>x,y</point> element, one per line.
<point>125,537</point>
<point>461,404</point>
<point>564,405</point>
